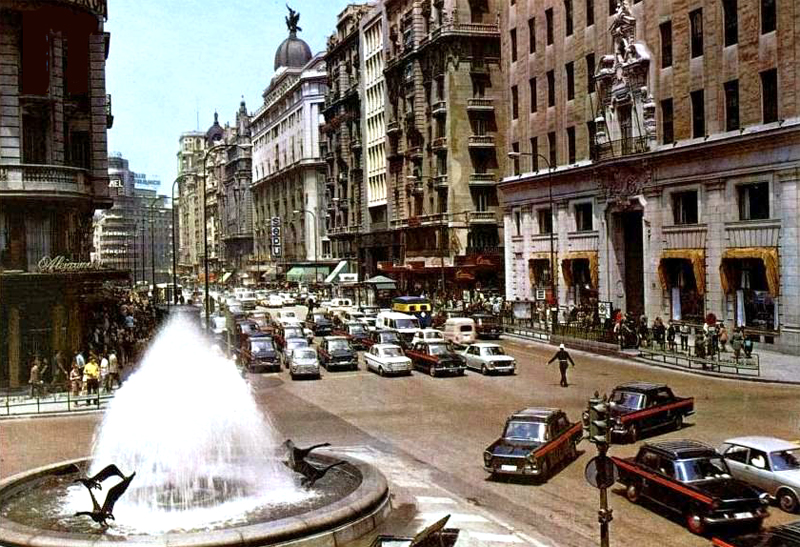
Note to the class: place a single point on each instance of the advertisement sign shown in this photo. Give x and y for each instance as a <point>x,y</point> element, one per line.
<point>276,239</point>
<point>541,294</point>
<point>604,309</point>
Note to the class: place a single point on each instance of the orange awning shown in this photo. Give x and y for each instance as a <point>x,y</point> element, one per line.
<point>696,256</point>
<point>569,258</point>
<point>767,255</point>
<point>538,257</point>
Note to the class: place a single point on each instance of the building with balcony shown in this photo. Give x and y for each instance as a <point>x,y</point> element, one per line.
<point>675,158</point>
<point>191,151</point>
<point>53,176</point>
<point>288,168</point>
<point>445,127</point>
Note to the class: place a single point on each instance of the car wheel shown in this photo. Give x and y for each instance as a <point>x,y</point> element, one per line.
<point>483,370</point>
<point>695,523</point>
<point>633,492</point>
<point>787,501</point>
<point>678,422</point>
<point>545,471</point>
<point>573,452</point>
<point>433,372</point>
<point>633,433</point>
<point>380,371</point>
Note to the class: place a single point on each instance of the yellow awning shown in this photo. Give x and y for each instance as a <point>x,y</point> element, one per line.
<point>695,256</point>
<point>538,257</point>
<point>569,258</point>
<point>767,255</point>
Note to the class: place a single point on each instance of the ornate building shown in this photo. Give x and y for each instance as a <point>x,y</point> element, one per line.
<point>676,160</point>
<point>191,151</point>
<point>53,175</point>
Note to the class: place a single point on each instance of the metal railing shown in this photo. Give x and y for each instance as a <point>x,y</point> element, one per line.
<point>19,403</point>
<point>621,147</point>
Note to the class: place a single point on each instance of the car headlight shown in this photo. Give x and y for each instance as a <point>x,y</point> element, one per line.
<point>487,457</point>
<point>763,497</point>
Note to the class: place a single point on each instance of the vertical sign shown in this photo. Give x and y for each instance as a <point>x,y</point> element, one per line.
<point>275,237</point>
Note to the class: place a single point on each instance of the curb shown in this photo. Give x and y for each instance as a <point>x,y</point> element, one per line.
<point>636,359</point>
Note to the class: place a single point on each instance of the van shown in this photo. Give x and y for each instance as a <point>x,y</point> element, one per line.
<point>405,325</point>
<point>460,330</point>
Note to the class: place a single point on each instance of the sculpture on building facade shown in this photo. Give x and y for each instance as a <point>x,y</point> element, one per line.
<point>292,19</point>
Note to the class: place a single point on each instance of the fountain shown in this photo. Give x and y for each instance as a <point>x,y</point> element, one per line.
<point>208,463</point>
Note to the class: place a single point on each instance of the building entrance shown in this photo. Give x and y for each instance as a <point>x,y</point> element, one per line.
<point>634,261</point>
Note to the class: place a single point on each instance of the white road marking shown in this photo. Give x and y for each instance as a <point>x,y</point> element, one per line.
<point>436,500</point>
<point>495,538</point>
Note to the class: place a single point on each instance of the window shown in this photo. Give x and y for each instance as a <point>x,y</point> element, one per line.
<point>668,135</point>
<point>548,14</point>
<point>551,88</point>
<point>696,23</point>
<point>737,453</point>
<point>589,13</point>
<point>731,16</point>
<point>666,44</point>
<point>758,459</point>
<point>590,73</point>
<point>768,16</point>
<point>514,103</point>
<point>513,45</point>
<point>698,114</point>
<point>753,201</point>
<point>551,143</point>
<point>534,153</point>
<point>731,105</point>
<point>517,223</point>
<point>568,16</point>
<point>769,95</point>
<point>583,217</point>
<point>532,35</point>
<point>591,129</point>
<point>545,218</point>
<point>533,93</point>
<point>684,207</point>
<point>570,145</point>
<point>515,148</point>
<point>570,69</point>
<point>612,7</point>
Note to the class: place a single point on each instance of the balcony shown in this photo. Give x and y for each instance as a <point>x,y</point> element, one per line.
<point>618,148</point>
<point>330,181</point>
<point>355,144</point>
<point>344,203</point>
<point>109,114</point>
<point>480,104</point>
<point>393,128</point>
<point>440,182</point>
<point>439,108</point>
<point>416,188</point>
<point>414,152</point>
<point>482,217</point>
<point>482,179</point>
<point>329,156</point>
<point>439,143</point>
<point>481,141</point>
<point>44,180</point>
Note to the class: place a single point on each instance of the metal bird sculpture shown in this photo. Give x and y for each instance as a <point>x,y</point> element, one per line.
<point>101,514</point>
<point>297,456</point>
<point>94,481</point>
<point>312,473</point>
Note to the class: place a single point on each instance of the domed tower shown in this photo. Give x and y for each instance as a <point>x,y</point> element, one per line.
<point>215,133</point>
<point>293,52</point>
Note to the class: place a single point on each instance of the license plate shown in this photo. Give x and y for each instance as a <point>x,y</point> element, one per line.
<point>508,468</point>
<point>743,515</point>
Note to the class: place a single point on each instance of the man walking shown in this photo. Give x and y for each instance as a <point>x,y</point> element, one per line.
<point>564,360</point>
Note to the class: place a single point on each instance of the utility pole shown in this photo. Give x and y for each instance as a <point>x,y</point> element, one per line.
<point>600,471</point>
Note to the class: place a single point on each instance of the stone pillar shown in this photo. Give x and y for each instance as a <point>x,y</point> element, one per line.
<point>15,375</point>
<point>561,226</point>
<point>786,187</point>
<point>59,328</point>
<point>717,205</point>
<point>652,247</point>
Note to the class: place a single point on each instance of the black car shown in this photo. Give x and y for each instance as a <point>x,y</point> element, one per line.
<point>639,407</point>
<point>487,326</point>
<point>786,535</point>
<point>258,353</point>
<point>319,323</point>
<point>356,333</point>
<point>436,358</point>
<point>692,480</point>
<point>336,352</point>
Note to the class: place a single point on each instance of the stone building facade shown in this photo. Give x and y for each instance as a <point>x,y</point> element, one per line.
<point>53,175</point>
<point>191,150</point>
<point>673,131</point>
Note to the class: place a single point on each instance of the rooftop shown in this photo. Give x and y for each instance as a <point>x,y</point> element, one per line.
<point>767,444</point>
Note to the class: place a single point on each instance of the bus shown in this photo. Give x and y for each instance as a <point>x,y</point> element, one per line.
<point>417,306</point>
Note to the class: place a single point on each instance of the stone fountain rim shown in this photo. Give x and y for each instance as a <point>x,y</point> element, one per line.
<point>357,512</point>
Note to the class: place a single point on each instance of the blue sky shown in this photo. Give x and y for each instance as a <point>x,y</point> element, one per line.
<point>171,59</point>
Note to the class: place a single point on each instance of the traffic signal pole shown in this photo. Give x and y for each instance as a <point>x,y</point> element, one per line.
<point>599,434</point>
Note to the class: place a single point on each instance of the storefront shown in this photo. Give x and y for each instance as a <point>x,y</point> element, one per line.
<point>750,281</point>
<point>682,275</point>
<point>580,271</point>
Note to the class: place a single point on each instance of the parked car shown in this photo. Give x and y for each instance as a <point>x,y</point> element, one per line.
<point>274,301</point>
<point>258,353</point>
<point>387,359</point>
<point>319,324</point>
<point>639,407</point>
<point>427,335</point>
<point>460,330</point>
<point>785,535</point>
<point>336,352</point>
<point>304,362</point>
<point>291,345</point>
<point>369,322</point>
<point>384,336</point>
<point>487,358</point>
<point>771,464</point>
<point>534,442</point>
<point>282,317</point>
<point>487,326</point>
<point>436,358</point>
<point>692,480</point>
<point>283,333</point>
<point>242,330</point>
<point>356,333</point>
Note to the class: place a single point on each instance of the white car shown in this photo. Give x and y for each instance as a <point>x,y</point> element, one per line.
<point>487,358</point>
<point>274,301</point>
<point>283,317</point>
<point>427,335</point>
<point>387,359</point>
<point>304,362</point>
<point>369,322</point>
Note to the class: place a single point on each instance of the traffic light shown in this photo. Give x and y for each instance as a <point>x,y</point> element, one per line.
<point>598,420</point>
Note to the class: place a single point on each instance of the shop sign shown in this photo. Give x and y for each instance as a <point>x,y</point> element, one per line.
<point>541,294</point>
<point>59,264</point>
<point>604,309</point>
<point>275,236</point>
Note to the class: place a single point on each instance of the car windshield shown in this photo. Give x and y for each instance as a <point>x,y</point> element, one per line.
<point>261,346</point>
<point>392,352</point>
<point>320,318</point>
<point>292,333</point>
<point>338,344</point>
<point>492,350</point>
<point>296,343</point>
<point>703,469</point>
<point>389,337</point>
<point>434,334</point>
<point>439,349</point>
<point>357,329</point>
<point>528,431</point>
<point>407,323</point>
<point>306,353</point>
<point>628,399</point>
<point>288,315</point>
<point>250,327</point>
<point>786,460</point>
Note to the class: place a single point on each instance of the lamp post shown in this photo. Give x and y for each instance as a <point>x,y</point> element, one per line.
<point>133,250</point>
<point>316,268</point>
<point>553,265</point>
<point>174,245</point>
<point>153,246</point>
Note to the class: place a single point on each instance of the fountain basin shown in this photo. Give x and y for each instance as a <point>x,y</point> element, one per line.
<point>342,520</point>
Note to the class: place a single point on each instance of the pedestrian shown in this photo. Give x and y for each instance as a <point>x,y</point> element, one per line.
<point>671,336</point>
<point>564,360</point>
<point>91,375</point>
<point>644,332</point>
<point>700,346</point>
<point>60,372</point>
<point>659,332</point>
<point>684,331</point>
<point>104,372</point>
<point>723,338</point>
<point>35,379</point>
<point>737,341</point>
<point>113,371</point>
<point>747,345</point>
<point>75,379</point>
<point>80,361</point>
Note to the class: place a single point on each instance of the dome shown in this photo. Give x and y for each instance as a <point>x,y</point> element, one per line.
<point>215,132</point>
<point>292,53</point>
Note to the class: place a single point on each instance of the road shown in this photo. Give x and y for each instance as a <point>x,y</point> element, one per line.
<point>428,435</point>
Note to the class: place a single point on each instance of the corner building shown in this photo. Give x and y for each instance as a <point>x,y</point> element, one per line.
<point>674,134</point>
<point>54,113</point>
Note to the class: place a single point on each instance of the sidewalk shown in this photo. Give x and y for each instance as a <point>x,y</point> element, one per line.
<point>22,405</point>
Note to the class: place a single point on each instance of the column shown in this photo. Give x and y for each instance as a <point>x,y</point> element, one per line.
<point>652,246</point>
<point>786,186</point>
<point>718,202</point>
<point>15,376</point>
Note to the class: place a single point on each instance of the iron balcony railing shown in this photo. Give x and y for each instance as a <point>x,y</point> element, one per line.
<point>618,148</point>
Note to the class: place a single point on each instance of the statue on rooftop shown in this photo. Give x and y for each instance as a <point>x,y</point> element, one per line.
<point>292,19</point>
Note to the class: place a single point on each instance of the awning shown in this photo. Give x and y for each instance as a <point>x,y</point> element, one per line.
<point>341,267</point>
<point>696,256</point>
<point>728,270</point>
<point>538,257</point>
<point>226,276</point>
<point>381,283</point>
<point>569,258</point>
<point>302,273</point>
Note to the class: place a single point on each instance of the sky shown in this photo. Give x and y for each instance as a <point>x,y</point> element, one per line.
<point>172,59</point>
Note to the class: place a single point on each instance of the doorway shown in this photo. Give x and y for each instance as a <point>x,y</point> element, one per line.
<point>634,261</point>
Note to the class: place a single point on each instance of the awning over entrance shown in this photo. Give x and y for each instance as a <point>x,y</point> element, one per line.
<point>533,271</point>
<point>767,255</point>
<point>695,256</point>
<point>567,261</point>
<point>340,268</point>
<point>226,276</point>
<point>381,283</point>
<point>302,273</point>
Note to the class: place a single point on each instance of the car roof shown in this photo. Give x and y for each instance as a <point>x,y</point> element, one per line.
<point>384,346</point>
<point>767,444</point>
<point>330,338</point>
<point>486,345</point>
<point>536,413</point>
<point>260,335</point>
<point>641,386</point>
<point>682,448</point>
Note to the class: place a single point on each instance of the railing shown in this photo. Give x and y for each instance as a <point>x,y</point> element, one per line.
<point>356,144</point>
<point>57,178</point>
<point>440,181</point>
<point>109,114</point>
<point>482,216</point>
<point>481,141</point>
<point>414,152</point>
<point>486,251</point>
<point>439,107</point>
<point>605,336</point>
<point>393,127</point>
<point>466,29</point>
<point>482,179</point>
<point>439,142</point>
<point>480,103</point>
<point>621,147</point>
<point>20,404</point>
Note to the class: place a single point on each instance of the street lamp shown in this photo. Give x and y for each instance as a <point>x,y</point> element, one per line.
<point>553,265</point>
<point>174,245</point>
<point>153,247</point>
<point>316,265</point>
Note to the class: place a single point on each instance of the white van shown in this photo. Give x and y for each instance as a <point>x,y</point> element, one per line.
<point>405,325</point>
<point>460,330</point>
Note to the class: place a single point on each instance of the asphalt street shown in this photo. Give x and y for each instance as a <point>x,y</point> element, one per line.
<point>428,436</point>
